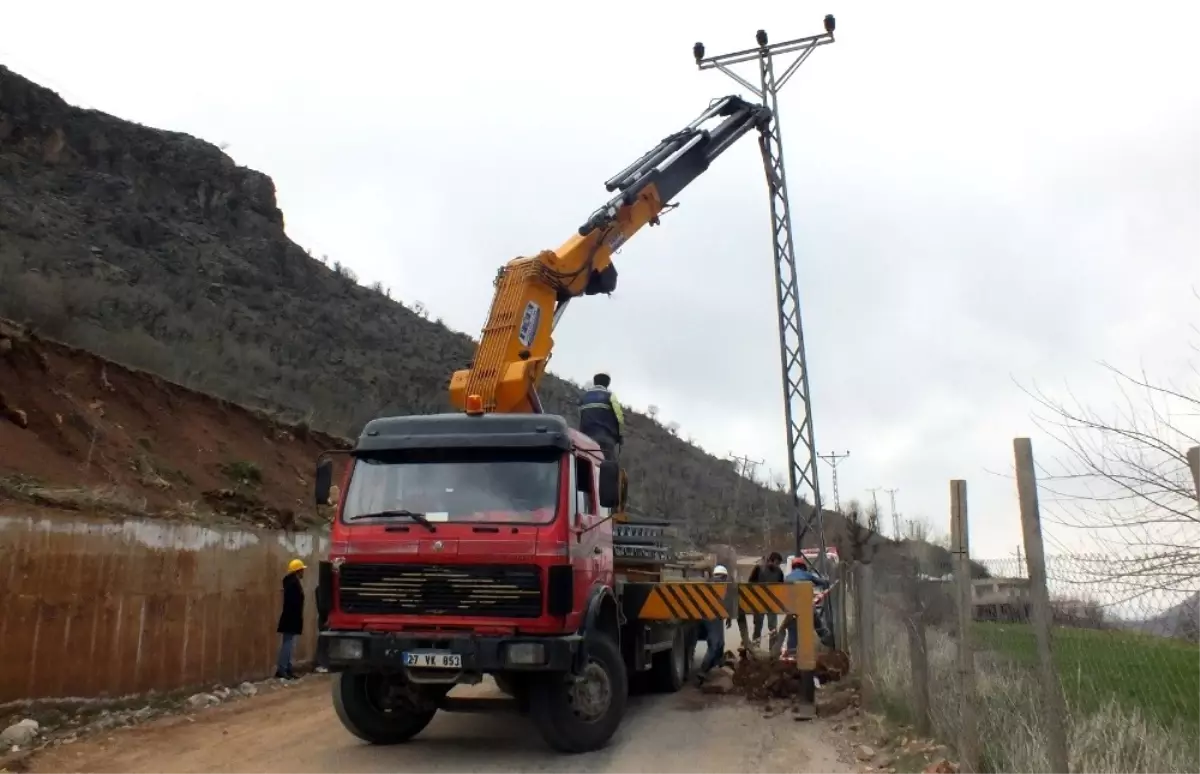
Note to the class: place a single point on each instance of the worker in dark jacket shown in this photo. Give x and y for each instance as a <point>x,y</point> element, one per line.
<point>291,619</point>
<point>770,572</point>
<point>600,416</point>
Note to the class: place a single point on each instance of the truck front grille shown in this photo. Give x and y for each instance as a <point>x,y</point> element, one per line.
<point>495,591</point>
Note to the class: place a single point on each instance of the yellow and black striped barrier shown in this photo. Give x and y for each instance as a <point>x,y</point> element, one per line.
<point>786,600</point>
<point>778,598</point>
<point>695,601</point>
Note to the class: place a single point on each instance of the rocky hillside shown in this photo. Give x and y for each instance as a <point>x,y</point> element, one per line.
<point>155,249</point>
<point>79,432</point>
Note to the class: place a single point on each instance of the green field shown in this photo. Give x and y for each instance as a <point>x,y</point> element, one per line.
<point>1161,676</point>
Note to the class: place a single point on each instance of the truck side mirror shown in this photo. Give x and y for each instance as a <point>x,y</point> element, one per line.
<point>324,481</point>
<point>610,484</point>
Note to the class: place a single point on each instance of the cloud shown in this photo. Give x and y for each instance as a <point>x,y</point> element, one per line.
<point>978,196</point>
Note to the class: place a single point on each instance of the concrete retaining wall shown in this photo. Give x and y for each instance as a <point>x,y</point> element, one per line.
<point>92,607</point>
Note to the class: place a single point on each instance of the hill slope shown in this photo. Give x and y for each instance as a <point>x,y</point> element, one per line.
<point>155,249</point>
<point>1182,620</point>
<point>82,433</point>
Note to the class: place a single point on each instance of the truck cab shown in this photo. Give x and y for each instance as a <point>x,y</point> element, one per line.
<point>470,545</point>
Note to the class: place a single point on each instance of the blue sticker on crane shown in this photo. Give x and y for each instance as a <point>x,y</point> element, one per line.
<point>530,321</point>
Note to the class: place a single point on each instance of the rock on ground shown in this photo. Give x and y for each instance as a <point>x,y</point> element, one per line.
<point>20,734</point>
<point>720,680</point>
<point>201,700</point>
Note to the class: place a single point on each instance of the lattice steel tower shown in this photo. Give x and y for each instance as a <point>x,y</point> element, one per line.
<point>802,448</point>
<point>834,459</point>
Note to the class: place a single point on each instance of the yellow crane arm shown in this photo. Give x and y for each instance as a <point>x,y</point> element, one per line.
<point>532,292</point>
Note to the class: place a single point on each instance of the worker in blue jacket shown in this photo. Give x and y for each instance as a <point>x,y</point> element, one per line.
<point>800,572</point>
<point>714,630</point>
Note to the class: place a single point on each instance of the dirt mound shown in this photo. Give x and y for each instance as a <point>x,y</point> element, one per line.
<point>78,431</point>
<point>832,666</point>
<point>763,679</point>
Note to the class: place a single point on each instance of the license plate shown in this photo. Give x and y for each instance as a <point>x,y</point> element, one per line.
<point>432,659</point>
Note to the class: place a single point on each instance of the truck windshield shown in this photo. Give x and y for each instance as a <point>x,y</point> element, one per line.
<point>457,485</point>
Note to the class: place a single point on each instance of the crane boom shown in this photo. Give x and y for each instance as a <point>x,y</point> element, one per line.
<point>516,342</point>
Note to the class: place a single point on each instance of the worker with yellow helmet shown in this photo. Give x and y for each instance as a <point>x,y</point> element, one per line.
<point>291,619</point>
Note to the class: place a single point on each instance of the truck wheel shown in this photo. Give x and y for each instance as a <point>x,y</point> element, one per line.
<point>516,688</point>
<point>668,671</point>
<point>691,638</point>
<point>576,715</point>
<point>506,685</point>
<point>360,701</point>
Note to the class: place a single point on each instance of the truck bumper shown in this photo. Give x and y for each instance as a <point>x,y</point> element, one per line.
<point>340,651</point>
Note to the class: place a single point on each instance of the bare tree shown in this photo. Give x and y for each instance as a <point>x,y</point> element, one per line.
<point>853,510</point>
<point>917,529</point>
<point>1123,476</point>
<point>871,512</point>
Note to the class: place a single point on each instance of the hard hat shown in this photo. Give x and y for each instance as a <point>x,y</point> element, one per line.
<point>720,570</point>
<point>296,565</point>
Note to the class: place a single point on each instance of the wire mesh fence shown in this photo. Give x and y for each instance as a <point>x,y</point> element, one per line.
<point>1127,663</point>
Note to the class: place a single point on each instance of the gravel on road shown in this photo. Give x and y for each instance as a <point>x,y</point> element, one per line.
<point>296,730</point>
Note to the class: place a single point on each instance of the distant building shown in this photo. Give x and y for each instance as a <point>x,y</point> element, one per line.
<point>994,599</point>
<point>1000,599</point>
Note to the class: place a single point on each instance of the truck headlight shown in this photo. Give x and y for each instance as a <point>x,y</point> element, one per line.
<point>346,649</point>
<point>525,654</point>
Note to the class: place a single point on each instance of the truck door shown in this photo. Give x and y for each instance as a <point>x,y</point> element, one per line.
<point>588,553</point>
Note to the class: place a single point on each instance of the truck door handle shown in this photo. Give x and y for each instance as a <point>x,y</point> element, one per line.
<point>597,550</point>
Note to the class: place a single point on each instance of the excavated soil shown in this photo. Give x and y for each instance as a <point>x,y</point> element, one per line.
<point>765,680</point>
<point>81,432</point>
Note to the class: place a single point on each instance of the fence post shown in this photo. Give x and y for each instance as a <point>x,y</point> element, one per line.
<point>968,737</point>
<point>917,657</point>
<point>1193,456</point>
<point>1035,559</point>
<point>841,599</point>
<point>866,630</point>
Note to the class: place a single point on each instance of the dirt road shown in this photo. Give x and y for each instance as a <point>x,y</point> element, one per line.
<point>295,730</point>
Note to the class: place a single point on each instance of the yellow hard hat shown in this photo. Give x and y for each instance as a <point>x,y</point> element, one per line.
<point>296,565</point>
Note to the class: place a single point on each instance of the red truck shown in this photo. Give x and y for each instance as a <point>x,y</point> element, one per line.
<point>495,541</point>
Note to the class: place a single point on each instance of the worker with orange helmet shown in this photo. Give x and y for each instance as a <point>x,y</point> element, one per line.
<point>291,619</point>
<point>801,572</point>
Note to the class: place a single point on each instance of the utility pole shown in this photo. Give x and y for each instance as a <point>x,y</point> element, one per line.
<point>895,517</point>
<point>743,469</point>
<point>833,458</point>
<point>873,522</point>
<point>802,447</point>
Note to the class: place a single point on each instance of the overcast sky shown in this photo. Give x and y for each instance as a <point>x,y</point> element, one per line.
<point>979,196</point>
